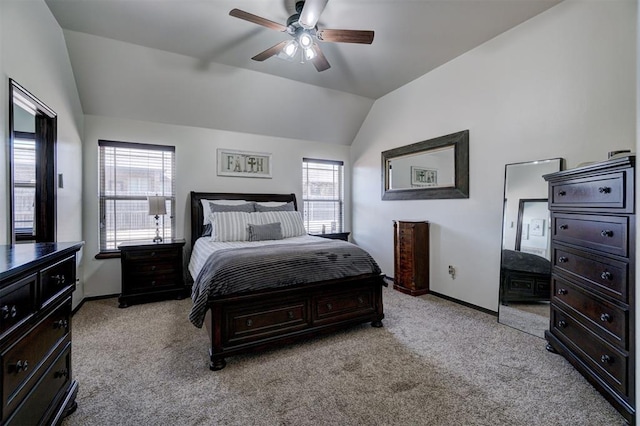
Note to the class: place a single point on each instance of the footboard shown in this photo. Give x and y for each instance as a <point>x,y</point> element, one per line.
<point>260,320</point>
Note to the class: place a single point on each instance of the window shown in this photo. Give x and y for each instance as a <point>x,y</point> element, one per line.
<point>323,195</point>
<point>24,185</point>
<point>129,173</point>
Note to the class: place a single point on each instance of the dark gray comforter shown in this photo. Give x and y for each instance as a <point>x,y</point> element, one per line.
<point>241,270</point>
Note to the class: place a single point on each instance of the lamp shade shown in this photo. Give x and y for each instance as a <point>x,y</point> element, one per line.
<point>156,205</point>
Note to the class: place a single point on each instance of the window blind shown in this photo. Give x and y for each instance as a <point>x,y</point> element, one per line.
<point>129,173</point>
<point>24,184</point>
<point>323,195</point>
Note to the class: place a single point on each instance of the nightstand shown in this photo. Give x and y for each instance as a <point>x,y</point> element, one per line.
<point>335,236</point>
<point>151,271</point>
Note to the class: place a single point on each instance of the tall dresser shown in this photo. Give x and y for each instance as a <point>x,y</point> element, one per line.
<point>36,282</point>
<point>411,257</point>
<point>593,275</point>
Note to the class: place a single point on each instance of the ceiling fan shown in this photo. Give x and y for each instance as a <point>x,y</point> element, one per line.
<point>302,26</point>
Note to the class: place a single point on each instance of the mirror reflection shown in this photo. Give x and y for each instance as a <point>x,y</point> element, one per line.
<point>525,269</point>
<point>431,169</point>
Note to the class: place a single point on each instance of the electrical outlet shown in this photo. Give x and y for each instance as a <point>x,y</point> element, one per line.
<point>452,271</point>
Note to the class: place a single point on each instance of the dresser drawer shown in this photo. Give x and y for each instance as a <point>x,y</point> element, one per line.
<point>605,191</point>
<point>253,323</point>
<point>153,268</point>
<point>136,282</point>
<point>607,320</point>
<point>25,357</point>
<point>610,363</point>
<point>601,274</point>
<point>46,394</point>
<point>17,302</point>
<point>345,305</point>
<point>57,278</point>
<point>609,234</point>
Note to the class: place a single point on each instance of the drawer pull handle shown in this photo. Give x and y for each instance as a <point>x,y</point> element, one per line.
<point>562,193</point>
<point>290,314</point>
<point>562,324</point>
<point>605,317</point>
<point>153,282</point>
<point>329,306</point>
<point>606,359</point>
<point>61,324</point>
<point>604,190</point>
<point>606,275</point>
<point>360,300</point>
<point>606,233</point>
<point>22,366</point>
<point>8,312</point>
<point>564,226</point>
<point>59,279</point>
<point>153,268</point>
<point>563,259</point>
<point>562,291</point>
<point>249,323</point>
<point>153,253</point>
<point>60,373</point>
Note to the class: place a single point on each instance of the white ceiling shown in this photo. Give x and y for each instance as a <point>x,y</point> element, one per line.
<point>412,37</point>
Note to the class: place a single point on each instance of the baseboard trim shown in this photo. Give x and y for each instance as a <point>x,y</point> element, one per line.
<point>88,299</point>
<point>451,299</point>
<point>466,304</point>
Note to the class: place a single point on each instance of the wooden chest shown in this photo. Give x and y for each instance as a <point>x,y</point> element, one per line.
<point>411,257</point>
<point>593,275</point>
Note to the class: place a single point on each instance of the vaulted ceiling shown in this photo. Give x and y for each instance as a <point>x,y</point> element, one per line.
<point>188,62</point>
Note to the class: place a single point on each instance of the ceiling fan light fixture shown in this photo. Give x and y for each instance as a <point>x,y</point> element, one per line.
<point>291,48</point>
<point>305,40</point>
<point>309,54</point>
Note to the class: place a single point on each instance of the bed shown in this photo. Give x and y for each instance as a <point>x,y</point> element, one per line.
<point>526,277</point>
<point>272,312</point>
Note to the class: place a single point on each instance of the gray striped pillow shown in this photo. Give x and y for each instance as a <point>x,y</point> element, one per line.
<point>291,222</point>
<point>288,207</point>
<point>232,226</point>
<point>268,231</point>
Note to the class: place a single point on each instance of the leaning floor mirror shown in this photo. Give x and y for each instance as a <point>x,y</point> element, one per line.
<point>525,267</point>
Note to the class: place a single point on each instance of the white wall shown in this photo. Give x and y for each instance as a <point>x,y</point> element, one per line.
<point>559,85</point>
<point>34,54</point>
<point>195,171</point>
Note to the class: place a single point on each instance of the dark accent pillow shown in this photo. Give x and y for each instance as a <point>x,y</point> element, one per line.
<point>206,232</point>
<point>246,207</point>
<point>270,231</point>
<point>283,208</point>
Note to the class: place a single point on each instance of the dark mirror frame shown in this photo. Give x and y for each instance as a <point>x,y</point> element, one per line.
<point>460,143</point>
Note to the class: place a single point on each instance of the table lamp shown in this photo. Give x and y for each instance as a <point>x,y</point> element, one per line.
<point>156,208</point>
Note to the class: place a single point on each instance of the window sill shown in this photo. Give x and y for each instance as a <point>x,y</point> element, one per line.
<point>108,255</point>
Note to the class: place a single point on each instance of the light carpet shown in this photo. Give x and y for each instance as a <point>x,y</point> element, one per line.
<point>433,363</point>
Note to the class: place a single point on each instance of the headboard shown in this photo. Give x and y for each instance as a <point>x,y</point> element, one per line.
<point>196,205</point>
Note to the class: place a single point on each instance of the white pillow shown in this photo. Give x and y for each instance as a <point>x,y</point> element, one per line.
<point>272,203</point>
<point>232,226</point>
<point>291,222</point>
<point>206,211</point>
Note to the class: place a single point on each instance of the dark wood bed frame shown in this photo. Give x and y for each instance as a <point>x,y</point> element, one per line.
<point>266,319</point>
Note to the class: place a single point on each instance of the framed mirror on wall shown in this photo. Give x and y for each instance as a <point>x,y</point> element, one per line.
<point>525,267</point>
<point>431,169</point>
<point>32,167</point>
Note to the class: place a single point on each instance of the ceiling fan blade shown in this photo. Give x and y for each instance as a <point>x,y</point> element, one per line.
<point>320,61</point>
<point>237,13</point>
<point>273,50</point>
<point>346,36</point>
<point>311,13</point>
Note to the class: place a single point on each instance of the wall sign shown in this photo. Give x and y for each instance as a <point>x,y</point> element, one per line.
<point>244,163</point>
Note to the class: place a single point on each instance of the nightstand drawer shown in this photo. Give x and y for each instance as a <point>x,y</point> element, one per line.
<point>609,234</point>
<point>153,254</point>
<point>151,281</point>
